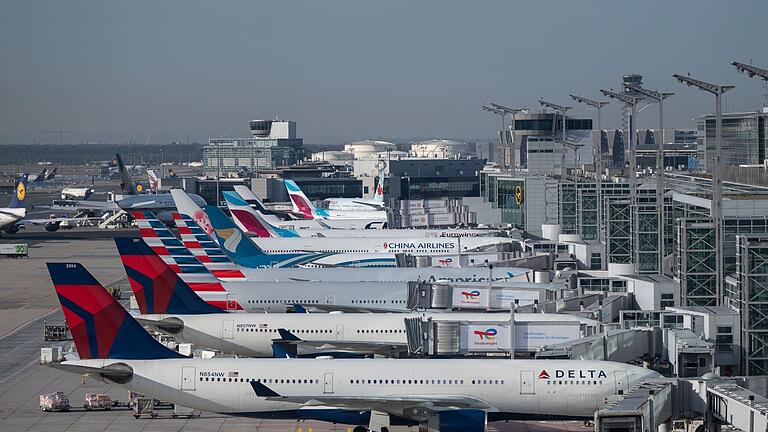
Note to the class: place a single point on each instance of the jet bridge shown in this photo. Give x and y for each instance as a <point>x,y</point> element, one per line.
<point>643,409</point>
<point>734,405</point>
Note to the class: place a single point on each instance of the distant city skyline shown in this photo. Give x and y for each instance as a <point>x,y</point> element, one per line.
<point>158,72</point>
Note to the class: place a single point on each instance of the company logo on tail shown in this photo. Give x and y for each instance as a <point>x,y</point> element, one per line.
<point>250,221</point>
<point>100,327</point>
<point>157,287</point>
<point>17,199</point>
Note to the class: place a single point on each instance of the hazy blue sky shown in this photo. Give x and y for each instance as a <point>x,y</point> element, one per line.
<point>123,70</point>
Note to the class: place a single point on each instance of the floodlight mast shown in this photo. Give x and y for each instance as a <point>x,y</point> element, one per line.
<point>751,70</point>
<point>597,156</point>
<point>659,98</point>
<point>513,146</point>
<point>501,114</point>
<point>632,174</point>
<point>562,109</point>
<point>717,181</point>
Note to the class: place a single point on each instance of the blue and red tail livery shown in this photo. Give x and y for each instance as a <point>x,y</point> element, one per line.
<point>157,287</point>
<point>101,327</point>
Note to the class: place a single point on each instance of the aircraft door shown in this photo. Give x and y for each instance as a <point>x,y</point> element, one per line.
<point>228,329</point>
<point>622,381</point>
<point>527,382</point>
<point>339,331</point>
<point>188,378</point>
<point>329,299</point>
<point>328,383</point>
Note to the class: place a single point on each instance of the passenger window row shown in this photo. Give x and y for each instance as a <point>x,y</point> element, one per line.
<point>381,331</point>
<point>262,380</point>
<point>574,382</point>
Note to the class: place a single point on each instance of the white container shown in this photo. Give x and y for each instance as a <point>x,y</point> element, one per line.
<point>133,304</point>
<point>207,354</point>
<point>186,349</point>
<point>46,355</point>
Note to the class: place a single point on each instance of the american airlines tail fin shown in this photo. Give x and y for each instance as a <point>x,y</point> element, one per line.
<point>154,181</point>
<point>157,287</point>
<point>192,257</point>
<point>301,204</point>
<point>17,200</point>
<point>100,327</point>
<point>126,182</point>
<point>250,220</point>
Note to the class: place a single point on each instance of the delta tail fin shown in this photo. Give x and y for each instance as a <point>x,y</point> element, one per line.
<point>157,287</point>
<point>18,198</point>
<point>100,327</point>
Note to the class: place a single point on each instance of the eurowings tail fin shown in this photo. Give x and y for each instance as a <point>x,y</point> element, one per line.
<point>101,327</point>
<point>301,204</point>
<point>250,220</point>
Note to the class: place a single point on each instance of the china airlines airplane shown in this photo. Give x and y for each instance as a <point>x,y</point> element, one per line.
<point>450,395</point>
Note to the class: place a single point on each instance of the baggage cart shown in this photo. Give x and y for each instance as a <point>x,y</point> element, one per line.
<point>144,407</point>
<point>98,401</point>
<point>184,412</point>
<point>54,402</point>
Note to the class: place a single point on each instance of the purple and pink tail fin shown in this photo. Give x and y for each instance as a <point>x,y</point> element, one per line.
<point>100,327</point>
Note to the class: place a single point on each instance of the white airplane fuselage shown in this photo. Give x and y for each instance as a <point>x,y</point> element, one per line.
<point>392,232</point>
<point>522,388</point>
<point>9,216</point>
<point>478,275</point>
<point>251,334</point>
<point>76,193</point>
<point>381,245</point>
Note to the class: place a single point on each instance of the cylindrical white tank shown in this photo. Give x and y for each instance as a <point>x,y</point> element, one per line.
<point>542,277</point>
<point>550,231</point>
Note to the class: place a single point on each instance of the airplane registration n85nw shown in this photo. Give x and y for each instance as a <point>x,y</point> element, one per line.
<point>455,394</point>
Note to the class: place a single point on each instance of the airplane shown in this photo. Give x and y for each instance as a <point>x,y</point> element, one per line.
<point>155,182</point>
<point>247,254</point>
<point>161,204</point>
<point>451,395</point>
<point>82,193</point>
<point>40,177</point>
<point>303,206</point>
<point>198,244</point>
<point>423,246</point>
<point>51,174</point>
<point>188,318</point>
<point>359,204</point>
<point>252,221</point>
<point>289,221</point>
<point>14,217</point>
<point>9,216</point>
<point>142,264</point>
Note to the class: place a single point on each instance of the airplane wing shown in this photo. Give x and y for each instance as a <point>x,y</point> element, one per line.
<point>86,205</point>
<point>115,372</point>
<point>55,220</point>
<point>335,345</point>
<point>343,308</point>
<point>416,407</point>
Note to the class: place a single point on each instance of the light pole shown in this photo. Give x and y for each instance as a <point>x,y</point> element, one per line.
<point>597,156</point>
<point>562,110</point>
<point>717,181</point>
<point>511,111</point>
<point>659,98</point>
<point>501,114</point>
<point>632,103</point>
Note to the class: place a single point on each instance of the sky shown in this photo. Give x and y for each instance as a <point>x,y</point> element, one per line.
<point>172,70</point>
